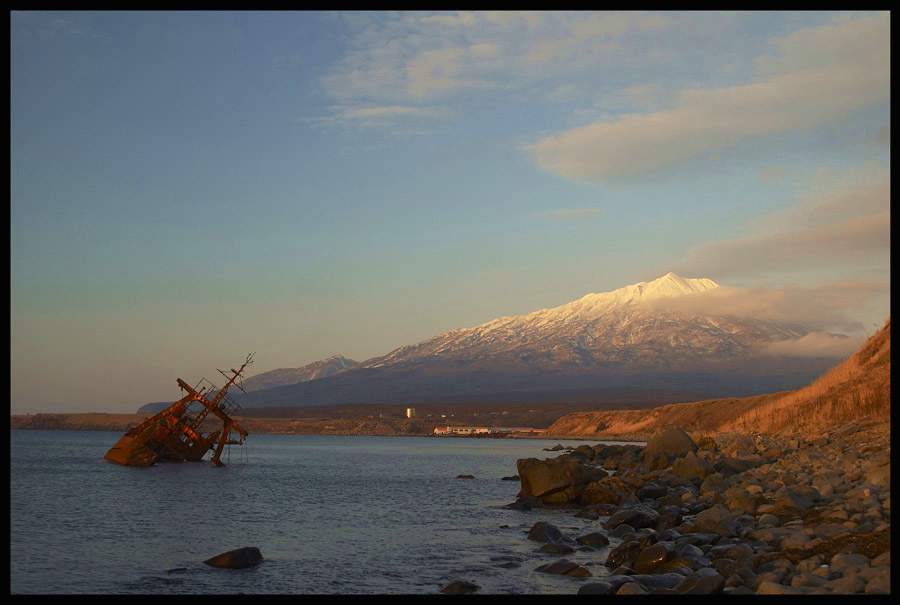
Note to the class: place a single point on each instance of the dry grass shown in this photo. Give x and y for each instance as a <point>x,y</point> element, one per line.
<point>858,388</point>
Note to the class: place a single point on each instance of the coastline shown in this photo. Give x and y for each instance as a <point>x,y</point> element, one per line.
<point>738,514</point>
<point>110,421</point>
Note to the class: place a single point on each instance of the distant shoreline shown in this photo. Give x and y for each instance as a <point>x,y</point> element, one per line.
<point>110,421</point>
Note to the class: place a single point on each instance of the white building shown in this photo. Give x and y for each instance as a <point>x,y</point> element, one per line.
<point>461,430</point>
<point>410,412</point>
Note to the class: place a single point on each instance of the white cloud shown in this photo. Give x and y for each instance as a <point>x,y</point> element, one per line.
<point>415,58</point>
<point>816,75</point>
<point>844,225</point>
<point>830,306</point>
<point>816,344</point>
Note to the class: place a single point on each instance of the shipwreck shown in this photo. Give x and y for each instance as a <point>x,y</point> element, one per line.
<point>176,433</point>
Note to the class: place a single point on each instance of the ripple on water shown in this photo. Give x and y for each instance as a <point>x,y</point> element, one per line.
<point>330,515</point>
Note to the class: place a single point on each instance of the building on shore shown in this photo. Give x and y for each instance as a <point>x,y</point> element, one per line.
<point>410,412</point>
<point>498,431</point>
<point>461,430</point>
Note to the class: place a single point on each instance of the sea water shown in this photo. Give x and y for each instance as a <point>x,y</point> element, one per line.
<point>330,514</point>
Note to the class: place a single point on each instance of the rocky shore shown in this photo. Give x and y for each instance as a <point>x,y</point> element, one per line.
<point>738,514</point>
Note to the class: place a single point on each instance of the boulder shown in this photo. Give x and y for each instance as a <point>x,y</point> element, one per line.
<point>525,504</point>
<point>705,581</point>
<point>594,540</point>
<point>790,501</point>
<point>460,587</point>
<point>631,588</point>
<point>240,558</point>
<point>713,484</point>
<point>739,445</point>
<point>556,549</point>
<point>733,466</point>
<point>717,520</point>
<point>608,490</point>
<point>691,467</point>
<point>636,516</point>
<point>564,567</point>
<point>669,516</point>
<point>879,475</point>
<point>652,491</point>
<point>545,532</point>
<point>596,588</point>
<point>556,481</point>
<point>624,554</point>
<point>649,559</point>
<point>666,445</point>
<point>739,500</point>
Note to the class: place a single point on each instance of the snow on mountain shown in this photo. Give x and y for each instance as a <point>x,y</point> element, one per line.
<point>617,327</point>
<point>285,376</point>
<point>672,336</point>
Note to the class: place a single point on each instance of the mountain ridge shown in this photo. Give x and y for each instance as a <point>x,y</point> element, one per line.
<point>630,337</point>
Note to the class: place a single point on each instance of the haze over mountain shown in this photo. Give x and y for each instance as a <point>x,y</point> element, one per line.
<point>642,341</point>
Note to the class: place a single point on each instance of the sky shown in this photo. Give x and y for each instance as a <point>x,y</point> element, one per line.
<point>189,187</point>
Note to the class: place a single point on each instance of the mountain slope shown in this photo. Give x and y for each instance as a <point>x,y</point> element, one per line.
<point>858,389</point>
<point>285,376</point>
<point>617,328</point>
<point>648,336</point>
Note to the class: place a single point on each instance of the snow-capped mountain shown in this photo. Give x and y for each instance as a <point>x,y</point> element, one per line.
<point>285,376</point>
<point>630,326</point>
<point>603,346</point>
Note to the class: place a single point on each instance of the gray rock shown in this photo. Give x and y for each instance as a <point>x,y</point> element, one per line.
<point>636,516</point>
<point>239,558</point>
<point>843,561</point>
<point>654,581</point>
<point>596,588</point>
<point>631,588</point>
<point>621,530</point>
<point>556,549</point>
<point>594,540</point>
<point>544,532</point>
<point>652,491</point>
<point>716,519</point>
<point>460,587</point>
<point>702,583</point>
<point>564,567</point>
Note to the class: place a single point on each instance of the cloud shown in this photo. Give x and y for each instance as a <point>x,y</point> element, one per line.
<point>814,76</point>
<point>820,308</point>
<point>415,58</point>
<point>815,344</point>
<point>568,213</point>
<point>847,225</point>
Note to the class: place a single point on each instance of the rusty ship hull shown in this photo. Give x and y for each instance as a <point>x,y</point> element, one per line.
<point>175,433</point>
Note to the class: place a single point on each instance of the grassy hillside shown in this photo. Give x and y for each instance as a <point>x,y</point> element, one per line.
<point>856,389</point>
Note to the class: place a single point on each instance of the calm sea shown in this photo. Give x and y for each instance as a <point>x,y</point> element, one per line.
<point>330,515</point>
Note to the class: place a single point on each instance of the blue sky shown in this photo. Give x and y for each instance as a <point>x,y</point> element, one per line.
<point>187,187</point>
